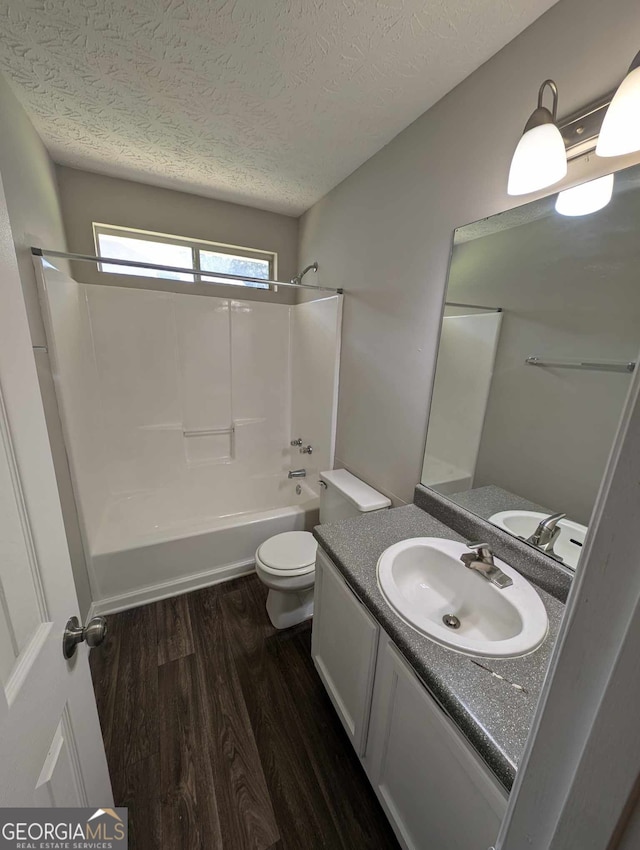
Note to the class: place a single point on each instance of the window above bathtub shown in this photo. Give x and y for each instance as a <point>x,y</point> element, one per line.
<point>124,243</point>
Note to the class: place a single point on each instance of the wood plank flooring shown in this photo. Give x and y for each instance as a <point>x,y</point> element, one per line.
<point>219,734</point>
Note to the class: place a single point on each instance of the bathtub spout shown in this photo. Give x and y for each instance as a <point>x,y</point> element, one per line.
<point>297,473</point>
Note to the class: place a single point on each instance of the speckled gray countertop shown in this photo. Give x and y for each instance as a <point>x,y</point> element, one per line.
<point>489,500</point>
<point>494,716</point>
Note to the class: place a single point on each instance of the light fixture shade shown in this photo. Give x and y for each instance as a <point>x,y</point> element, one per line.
<point>586,198</point>
<point>540,160</point>
<point>620,133</point>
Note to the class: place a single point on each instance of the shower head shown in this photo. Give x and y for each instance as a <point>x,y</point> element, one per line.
<point>298,278</point>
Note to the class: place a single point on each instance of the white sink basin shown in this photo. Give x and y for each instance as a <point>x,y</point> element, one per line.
<point>524,523</point>
<point>424,581</point>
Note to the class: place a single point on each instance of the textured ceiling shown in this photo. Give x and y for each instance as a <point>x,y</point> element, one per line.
<point>269,103</point>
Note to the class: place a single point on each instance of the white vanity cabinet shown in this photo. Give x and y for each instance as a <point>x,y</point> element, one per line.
<point>434,788</point>
<point>344,646</point>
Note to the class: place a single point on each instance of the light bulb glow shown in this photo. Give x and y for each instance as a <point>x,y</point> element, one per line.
<point>620,133</point>
<point>540,160</point>
<point>586,198</point>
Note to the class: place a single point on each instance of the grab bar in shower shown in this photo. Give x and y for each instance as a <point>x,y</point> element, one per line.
<point>595,365</point>
<point>208,432</point>
<point>212,432</point>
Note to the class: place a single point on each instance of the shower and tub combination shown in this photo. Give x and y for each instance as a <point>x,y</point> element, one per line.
<point>183,415</point>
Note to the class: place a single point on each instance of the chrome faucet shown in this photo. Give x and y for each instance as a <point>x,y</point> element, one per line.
<point>297,473</point>
<point>546,535</point>
<point>481,560</point>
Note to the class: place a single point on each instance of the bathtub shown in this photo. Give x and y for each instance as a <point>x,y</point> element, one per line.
<point>158,544</point>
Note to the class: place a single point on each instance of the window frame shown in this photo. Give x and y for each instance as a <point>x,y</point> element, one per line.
<point>200,275</point>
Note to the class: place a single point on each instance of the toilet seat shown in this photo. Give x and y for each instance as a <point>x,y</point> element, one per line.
<point>292,553</point>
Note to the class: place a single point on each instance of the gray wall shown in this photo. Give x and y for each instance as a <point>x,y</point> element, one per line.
<point>34,213</point>
<point>88,197</point>
<point>569,289</point>
<point>385,232</point>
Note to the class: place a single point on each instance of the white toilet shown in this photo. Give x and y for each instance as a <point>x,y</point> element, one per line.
<point>286,563</point>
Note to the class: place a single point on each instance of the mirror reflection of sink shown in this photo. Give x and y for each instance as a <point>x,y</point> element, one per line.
<point>523,523</point>
<point>426,584</point>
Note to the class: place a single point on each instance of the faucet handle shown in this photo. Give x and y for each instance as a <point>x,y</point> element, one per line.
<point>297,442</point>
<point>551,521</point>
<point>484,551</point>
<point>546,534</point>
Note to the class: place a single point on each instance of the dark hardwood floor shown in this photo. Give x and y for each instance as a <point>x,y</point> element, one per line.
<point>219,734</point>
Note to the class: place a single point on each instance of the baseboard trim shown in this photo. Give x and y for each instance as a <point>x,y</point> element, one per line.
<point>167,589</point>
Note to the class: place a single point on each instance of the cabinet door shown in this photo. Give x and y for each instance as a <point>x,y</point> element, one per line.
<point>434,788</point>
<point>344,646</point>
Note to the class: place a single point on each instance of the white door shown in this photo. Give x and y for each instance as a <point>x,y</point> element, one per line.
<point>51,751</point>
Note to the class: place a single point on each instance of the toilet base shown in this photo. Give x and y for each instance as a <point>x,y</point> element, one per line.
<point>289,609</point>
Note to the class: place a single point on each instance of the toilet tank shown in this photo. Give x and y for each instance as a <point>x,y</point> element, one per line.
<point>346,496</point>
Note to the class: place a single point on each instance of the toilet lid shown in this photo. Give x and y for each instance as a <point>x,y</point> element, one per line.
<point>290,550</point>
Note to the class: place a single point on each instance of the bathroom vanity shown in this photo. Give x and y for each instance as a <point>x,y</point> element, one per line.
<point>434,788</point>
<point>438,734</point>
<point>534,365</point>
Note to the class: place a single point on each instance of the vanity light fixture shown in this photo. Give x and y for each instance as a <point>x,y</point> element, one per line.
<point>586,198</point>
<point>620,133</point>
<point>540,159</point>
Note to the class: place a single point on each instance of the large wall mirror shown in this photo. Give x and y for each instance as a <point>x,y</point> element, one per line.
<point>539,341</point>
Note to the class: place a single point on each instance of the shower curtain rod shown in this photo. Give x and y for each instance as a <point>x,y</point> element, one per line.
<point>474,306</point>
<point>86,258</point>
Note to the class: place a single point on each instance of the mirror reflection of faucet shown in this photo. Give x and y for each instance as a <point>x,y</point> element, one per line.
<point>546,535</point>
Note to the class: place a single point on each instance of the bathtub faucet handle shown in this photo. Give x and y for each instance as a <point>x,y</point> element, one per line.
<point>297,442</point>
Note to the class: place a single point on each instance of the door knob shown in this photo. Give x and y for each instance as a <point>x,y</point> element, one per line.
<point>93,633</point>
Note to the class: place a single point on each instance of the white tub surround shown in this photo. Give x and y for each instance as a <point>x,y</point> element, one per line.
<point>178,412</point>
<point>468,346</point>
